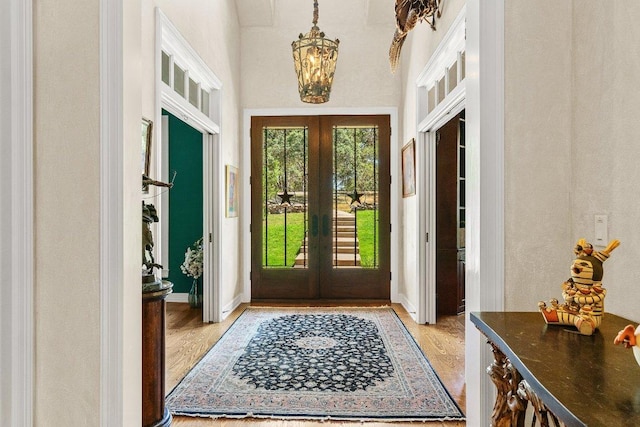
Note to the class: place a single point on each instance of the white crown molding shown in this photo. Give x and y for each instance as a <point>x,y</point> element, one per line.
<point>452,104</point>
<point>111,208</point>
<point>175,44</point>
<point>186,112</point>
<point>446,52</point>
<point>17,358</point>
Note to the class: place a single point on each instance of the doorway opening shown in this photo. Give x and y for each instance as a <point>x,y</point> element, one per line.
<point>450,216</point>
<point>185,201</point>
<point>320,207</point>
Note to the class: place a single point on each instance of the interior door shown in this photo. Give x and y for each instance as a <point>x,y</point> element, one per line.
<point>320,188</point>
<point>450,217</point>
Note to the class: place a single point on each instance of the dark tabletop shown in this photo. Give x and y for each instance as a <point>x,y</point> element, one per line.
<point>583,380</point>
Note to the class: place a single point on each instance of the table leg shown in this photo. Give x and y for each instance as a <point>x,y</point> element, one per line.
<point>540,411</point>
<point>509,409</point>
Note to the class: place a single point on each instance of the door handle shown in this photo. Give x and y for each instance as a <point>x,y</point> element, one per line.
<point>314,225</point>
<point>325,225</point>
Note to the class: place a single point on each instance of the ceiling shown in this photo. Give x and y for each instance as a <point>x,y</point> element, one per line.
<point>332,13</point>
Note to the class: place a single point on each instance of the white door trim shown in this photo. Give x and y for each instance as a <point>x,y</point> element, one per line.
<point>485,252</point>
<point>245,214</point>
<point>17,320</point>
<point>111,213</point>
<point>427,218</point>
<point>169,39</point>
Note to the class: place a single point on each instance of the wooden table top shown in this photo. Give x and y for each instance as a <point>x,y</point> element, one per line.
<point>583,380</point>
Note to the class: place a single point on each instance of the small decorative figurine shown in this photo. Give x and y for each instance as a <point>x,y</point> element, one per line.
<point>583,292</point>
<point>630,337</point>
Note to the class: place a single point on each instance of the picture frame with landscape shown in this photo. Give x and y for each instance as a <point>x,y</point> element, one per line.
<point>409,169</point>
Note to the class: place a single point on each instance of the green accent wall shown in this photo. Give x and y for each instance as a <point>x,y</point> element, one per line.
<point>185,198</point>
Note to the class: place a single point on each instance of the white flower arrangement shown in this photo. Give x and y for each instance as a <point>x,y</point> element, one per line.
<point>193,257</point>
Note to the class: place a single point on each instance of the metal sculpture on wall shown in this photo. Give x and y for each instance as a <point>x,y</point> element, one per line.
<point>408,14</point>
<point>149,215</point>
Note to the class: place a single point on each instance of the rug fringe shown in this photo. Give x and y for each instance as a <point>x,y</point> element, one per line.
<point>315,418</point>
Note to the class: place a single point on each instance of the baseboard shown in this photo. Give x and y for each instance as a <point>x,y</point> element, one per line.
<point>228,309</point>
<point>410,308</point>
<point>176,297</point>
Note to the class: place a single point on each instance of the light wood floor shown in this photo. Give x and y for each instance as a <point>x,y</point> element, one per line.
<point>187,339</point>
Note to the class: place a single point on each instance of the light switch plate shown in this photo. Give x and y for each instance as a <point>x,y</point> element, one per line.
<point>601,226</point>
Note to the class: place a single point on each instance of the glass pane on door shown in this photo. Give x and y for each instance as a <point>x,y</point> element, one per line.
<point>284,198</point>
<point>355,197</point>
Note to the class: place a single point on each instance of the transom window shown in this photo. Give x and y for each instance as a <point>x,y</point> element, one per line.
<point>186,83</point>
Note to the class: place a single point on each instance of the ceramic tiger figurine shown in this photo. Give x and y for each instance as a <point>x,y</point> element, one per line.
<point>583,293</point>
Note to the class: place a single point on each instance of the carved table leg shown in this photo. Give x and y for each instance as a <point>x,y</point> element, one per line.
<point>509,409</point>
<point>540,411</point>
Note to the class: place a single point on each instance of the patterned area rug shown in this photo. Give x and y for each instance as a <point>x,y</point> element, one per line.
<point>319,363</point>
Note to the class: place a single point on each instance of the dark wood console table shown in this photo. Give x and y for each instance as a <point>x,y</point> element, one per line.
<point>154,412</point>
<point>567,378</point>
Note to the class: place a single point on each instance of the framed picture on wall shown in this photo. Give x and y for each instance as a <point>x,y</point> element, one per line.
<point>409,169</point>
<point>231,196</point>
<point>147,133</point>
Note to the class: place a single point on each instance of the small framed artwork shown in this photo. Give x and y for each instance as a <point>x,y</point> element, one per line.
<point>409,168</point>
<point>147,134</point>
<point>231,196</point>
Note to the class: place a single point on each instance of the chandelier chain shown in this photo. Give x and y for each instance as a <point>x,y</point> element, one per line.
<point>315,13</point>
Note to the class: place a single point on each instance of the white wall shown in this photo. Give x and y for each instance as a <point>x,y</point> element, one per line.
<point>538,161</point>
<point>67,214</point>
<point>131,326</point>
<point>605,150</point>
<point>5,219</point>
<point>569,146</point>
<point>212,30</point>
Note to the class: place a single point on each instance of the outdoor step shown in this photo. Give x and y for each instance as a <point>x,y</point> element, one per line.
<point>345,234</point>
<point>342,235</point>
<point>339,259</point>
<point>351,227</point>
<point>347,241</point>
<point>346,251</point>
<point>351,221</point>
<point>346,260</point>
<point>340,249</point>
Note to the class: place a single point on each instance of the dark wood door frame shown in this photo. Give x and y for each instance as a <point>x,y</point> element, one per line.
<point>320,280</point>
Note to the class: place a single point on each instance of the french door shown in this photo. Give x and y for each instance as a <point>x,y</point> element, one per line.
<point>320,222</point>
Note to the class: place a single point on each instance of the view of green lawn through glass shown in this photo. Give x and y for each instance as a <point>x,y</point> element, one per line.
<point>273,230</point>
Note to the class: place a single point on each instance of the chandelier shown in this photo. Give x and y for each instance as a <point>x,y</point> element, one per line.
<point>315,59</point>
